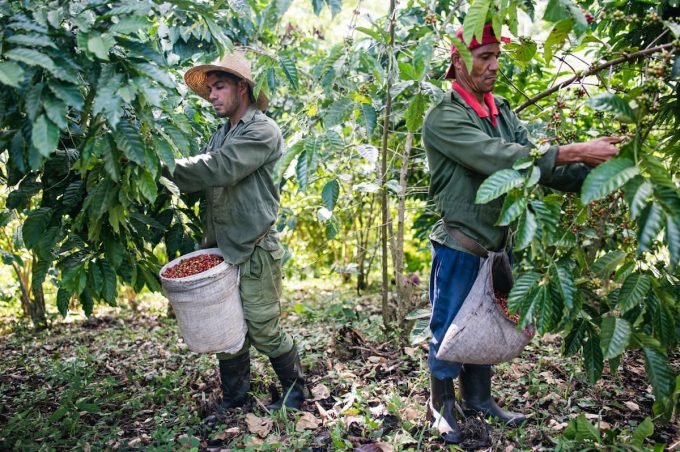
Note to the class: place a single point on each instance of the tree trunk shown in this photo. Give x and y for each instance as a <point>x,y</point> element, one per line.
<point>25,291</point>
<point>36,308</point>
<point>387,313</point>
<point>404,286</point>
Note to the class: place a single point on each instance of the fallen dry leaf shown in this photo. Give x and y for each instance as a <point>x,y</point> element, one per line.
<point>233,431</point>
<point>320,392</point>
<point>378,410</point>
<point>411,414</point>
<point>259,425</point>
<point>254,441</point>
<point>322,412</point>
<point>632,406</point>
<point>307,422</point>
<point>410,351</point>
<point>558,426</point>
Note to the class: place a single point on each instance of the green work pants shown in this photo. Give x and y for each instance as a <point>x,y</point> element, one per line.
<point>260,288</point>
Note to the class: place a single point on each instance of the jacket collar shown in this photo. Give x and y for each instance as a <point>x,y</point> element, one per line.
<point>249,113</point>
<point>246,117</point>
<point>472,102</point>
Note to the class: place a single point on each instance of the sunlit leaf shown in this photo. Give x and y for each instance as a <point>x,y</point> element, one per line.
<point>512,209</point>
<point>498,184</point>
<point>475,19</point>
<point>607,264</point>
<point>337,111</point>
<point>557,37</point>
<point>288,66</point>
<point>613,104</point>
<point>607,177</point>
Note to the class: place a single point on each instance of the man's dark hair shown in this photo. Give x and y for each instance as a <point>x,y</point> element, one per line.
<point>234,78</point>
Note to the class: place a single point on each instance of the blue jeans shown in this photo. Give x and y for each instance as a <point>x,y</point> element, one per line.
<point>453,274</point>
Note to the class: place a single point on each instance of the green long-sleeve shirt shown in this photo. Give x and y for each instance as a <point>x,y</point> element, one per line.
<point>236,170</point>
<point>463,150</point>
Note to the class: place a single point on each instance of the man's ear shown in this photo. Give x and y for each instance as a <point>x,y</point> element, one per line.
<point>243,87</point>
<point>457,61</point>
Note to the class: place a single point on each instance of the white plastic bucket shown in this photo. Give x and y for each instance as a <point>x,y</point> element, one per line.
<point>208,306</point>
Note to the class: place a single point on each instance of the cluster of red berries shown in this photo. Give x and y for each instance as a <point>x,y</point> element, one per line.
<point>193,266</point>
<point>502,302</point>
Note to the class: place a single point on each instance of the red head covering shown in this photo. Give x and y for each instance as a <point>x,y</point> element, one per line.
<point>487,38</point>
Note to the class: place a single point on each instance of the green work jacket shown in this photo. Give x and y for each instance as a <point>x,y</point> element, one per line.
<point>463,150</point>
<point>236,170</point>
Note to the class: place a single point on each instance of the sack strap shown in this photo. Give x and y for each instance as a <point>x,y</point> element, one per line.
<point>466,242</point>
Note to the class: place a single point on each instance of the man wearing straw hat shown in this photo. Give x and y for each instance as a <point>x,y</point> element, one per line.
<point>236,171</point>
<point>468,136</point>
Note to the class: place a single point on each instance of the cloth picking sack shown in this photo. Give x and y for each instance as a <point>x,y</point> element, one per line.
<point>480,333</point>
<point>208,306</point>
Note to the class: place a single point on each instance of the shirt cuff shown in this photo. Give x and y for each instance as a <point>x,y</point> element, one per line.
<point>547,163</point>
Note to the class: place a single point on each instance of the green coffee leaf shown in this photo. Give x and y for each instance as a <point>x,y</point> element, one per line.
<point>593,359</point>
<point>613,104</point>
<point>337,111</point>
<point>526,230</point>
<point>369,116</point>
<point>63,300</point>
<point>521,289</point>
<point>633,291</point>
<point>45,135</point>
<point>557,37</point>
<point>290,70</point>
<point>415,112</point>
<point>11,74</point>
<point>607,264</point>
<point>649,225</point>
<point>614,336</point>
<point>100,45</point>
<point>498,184</point>
<point>473,25</point>
<point>607,178</point>
<point>659,373</point>
<point>330,193</point>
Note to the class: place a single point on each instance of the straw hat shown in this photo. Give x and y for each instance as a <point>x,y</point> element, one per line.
<point>234,63</point>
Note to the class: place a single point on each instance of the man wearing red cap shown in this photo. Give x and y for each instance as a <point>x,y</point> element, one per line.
<point>470,135</point>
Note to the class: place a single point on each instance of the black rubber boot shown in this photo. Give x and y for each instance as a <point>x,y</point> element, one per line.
<point>235,376</point>
<point>475,385</point>
<point>442,409</point>
<point>289,370</point>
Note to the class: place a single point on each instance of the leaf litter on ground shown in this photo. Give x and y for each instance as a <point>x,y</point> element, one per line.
<point>125,379</point>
